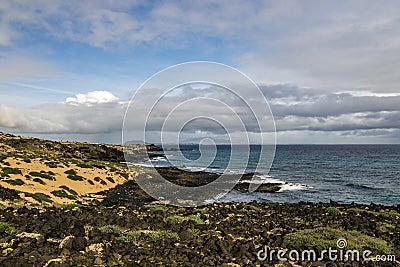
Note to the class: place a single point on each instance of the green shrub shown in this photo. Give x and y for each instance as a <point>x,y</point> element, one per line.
<point>43,175</point>
<point>130,236</point>
<point>7,171</point>
<point>110,179</point>
<point>71,206</point>
<point>51,164</point>
<point>71,191</point>
<point>90,182</point>
<point>325,237</point>
<point>99,166</point>
<point>63,194</point>
<point>71,172</point>
<point>75,177</point>
<point>152,236</point>
<point>4,225</point>
<point>394,213</point>
<point>15,182</point>
<point>3,157</point>
<point>386,227</point>
<point>180,219</point>
<point>110,229</point>
<point>123,174</point>
<point>38,180</point>
<point>158,235</point>
<point>83,165</point>
<point>155,207</point>
<point>391,213</point>
<point>12,231</point>
<point>39,197</point>
<point>332,210</point>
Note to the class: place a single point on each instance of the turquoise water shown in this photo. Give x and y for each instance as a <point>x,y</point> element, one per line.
<point>316,173</point>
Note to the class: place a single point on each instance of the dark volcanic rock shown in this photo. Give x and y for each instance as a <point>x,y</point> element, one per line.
<point>8,194</point>
<point>220,234</point>
<point>264,188</point>
<point>129,192</point>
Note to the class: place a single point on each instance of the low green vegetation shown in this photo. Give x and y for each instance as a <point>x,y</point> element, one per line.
<point>8,228</point>
<point>73,176</point>
<point>277,230</point>
<point>4,225</point>
<point>98,166</point>
<point>152,236</point>
<point>325,237</point>
<point>332,210</point>
<point>394,213</point>
<point>69,190</point>
<point>155,236</point>
<point>3,157</point>
<point>156,207</point>
<point>51,164</point>
<point>123,174</point>
<point>15,182</point>
<point>130,236</point>
<point>62,194</point>
<point>27,160</point>
<point>6,171</point>
<point>38,180</point>
<point>110,179</point>
<point>110,229</point>
<point>71,206</point>
<point>133,236</point>
<point>386,227</point>
<point>391,213</point>
<point>43,175</point>
<point>84,165</point>
<point>41,197</point>
<point>99,180</point>
<point>180,219</point>
<point>71,171</point>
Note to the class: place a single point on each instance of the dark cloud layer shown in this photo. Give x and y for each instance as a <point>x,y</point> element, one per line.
<point>294,109</point>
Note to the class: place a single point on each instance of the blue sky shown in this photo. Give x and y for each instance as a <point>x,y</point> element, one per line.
<point>329,69</point>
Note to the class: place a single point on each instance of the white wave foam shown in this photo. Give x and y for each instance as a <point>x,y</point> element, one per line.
<point>194,169</point>
<point>263,179</point>
<point>293,187</point>
<point>159,159</point>
<point>149,164</point>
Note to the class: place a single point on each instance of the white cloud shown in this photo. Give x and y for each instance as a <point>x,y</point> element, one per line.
<point>101,113</point>
<point>91,98</point>
<point>11,118</point>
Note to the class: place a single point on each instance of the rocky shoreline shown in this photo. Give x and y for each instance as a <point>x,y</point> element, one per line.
<point>113,222</point>
<point>226,234</point>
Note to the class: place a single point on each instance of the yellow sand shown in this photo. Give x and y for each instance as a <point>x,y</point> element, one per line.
<point>81,187</point>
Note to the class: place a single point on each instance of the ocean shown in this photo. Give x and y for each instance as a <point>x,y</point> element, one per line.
<point>363,174</point>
